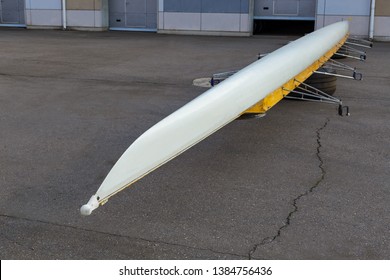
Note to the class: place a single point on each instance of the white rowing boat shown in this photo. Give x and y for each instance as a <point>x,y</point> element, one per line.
<point>262,82</point>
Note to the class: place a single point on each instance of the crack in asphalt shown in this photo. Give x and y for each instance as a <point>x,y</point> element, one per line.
<point>270,239</point>
<point>122,236</point>
<point>265,241</point>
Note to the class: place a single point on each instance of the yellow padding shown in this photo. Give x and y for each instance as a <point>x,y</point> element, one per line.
<point>274,97</point>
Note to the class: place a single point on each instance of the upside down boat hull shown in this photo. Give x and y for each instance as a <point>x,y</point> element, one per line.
<point>214,109</point>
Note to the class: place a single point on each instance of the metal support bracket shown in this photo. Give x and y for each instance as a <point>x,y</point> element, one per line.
<point>361,57</point>
<point>343,70</point>
<point>353,52</point>
<point>359,42</point>
<point>349,48</point>
<point>312,94</point>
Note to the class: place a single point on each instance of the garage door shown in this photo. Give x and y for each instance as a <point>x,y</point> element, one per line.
<point>285,9</point>
<point>133,15</point>
<point>12,12</point>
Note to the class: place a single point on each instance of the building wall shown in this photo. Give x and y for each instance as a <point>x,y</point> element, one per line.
<point>382,20</point>
<point>85,14</point>
<point>217,17</point>
<point>382,8</point>
<point>220,17</point>
<point>356,11</point>
<point>43,13</point>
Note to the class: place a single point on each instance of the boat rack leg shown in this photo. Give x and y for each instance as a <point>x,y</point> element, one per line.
<point>342,109</point>
<point>356,53</point>
<point>361,57</point>
<point>355,75</point>
<point>312,94</point>
<point>347,50</point>
<point>343,70</point>
<point>359,42</point>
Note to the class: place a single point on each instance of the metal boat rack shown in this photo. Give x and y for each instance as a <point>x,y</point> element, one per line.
<point>304,91</point>
<point>350,50</point>
<point>341,70</point>
<point>359,42</point>
<point>331,67</point>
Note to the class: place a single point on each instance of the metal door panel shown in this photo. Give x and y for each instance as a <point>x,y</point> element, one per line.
<point>286,7</point>
<point>21,16</point>
<point>136,20</point>
<point>133,14</point>
<point>151,21</point>
<point>264,8</point>
<point>136,13</point>
<point>151,16</point>
<point>117,19</point>
<point>10,5</point>
<point>117,6</point>
<point>136,6</point>
<point>307,8</point>
<point>10,11</point>
<point>151,6</point>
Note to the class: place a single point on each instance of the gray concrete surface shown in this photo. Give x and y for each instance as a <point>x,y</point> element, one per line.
<point>301,183</point>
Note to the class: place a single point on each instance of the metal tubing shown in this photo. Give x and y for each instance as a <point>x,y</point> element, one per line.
<point>311,100</point>
<point>340,65</point>
<point>335,75</point>
<point>360,40</point>
<point>358,45</point>
<point>64,23</point>
<point>361,58</point>
<point>351,49</point>
<point>372,20</point>
<point>319,96</point>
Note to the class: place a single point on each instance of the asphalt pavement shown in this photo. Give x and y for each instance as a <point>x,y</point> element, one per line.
<point>299,183</point>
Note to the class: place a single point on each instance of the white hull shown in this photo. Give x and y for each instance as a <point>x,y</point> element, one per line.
<point>214,109</point>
